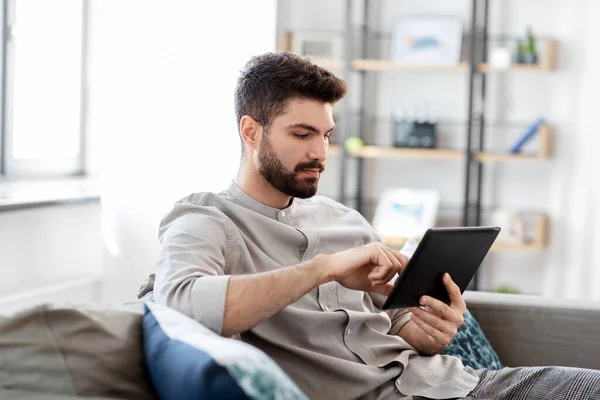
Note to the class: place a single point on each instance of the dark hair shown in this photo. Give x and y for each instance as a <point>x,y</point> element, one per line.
<point>269,81</point>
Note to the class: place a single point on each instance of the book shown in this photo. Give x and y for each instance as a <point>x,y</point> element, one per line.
<point>526,136</point>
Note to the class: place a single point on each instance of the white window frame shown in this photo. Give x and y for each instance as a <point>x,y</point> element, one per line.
<point>11,168</point>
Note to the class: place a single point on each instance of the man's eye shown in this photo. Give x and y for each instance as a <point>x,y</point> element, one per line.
<point>327,137</point>
<point>301,136</point>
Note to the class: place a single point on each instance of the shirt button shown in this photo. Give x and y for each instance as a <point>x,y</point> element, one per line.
<point>283,213</point>
<point>349,332</point>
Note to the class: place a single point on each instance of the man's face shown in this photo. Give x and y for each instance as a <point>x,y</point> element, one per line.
<point>292,152</point>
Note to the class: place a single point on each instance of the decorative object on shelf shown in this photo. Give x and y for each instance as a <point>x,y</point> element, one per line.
<point>519,57</point>
<point>406,212</point>
<point>316,44</point>
<point>500,58</point>
<point>414,129</point>
<point>507,289</point>
<point>530,50</point>
<point>353,144</point>
<point>526,136</point>
<point>426,40</point>
<point>414,134</point>
<point>525,50</point>
<point>512,226</point>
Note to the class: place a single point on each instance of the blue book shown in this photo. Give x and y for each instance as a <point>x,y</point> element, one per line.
<point>529,133</point>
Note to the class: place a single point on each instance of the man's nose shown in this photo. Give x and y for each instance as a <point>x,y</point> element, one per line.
<point>318,150</point>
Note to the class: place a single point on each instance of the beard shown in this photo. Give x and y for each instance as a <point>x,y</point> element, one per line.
<point>274,172</point>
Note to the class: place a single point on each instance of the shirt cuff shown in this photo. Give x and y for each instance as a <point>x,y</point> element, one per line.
<point>399,321</point>
<point>208,301</point>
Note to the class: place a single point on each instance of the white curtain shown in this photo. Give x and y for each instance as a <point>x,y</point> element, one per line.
<point>161,119</point>
<point>574,261</point>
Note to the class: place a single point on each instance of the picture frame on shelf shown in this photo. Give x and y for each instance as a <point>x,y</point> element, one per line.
<point>406,212</point>
<point>316,44</point>
<point>426,40</point>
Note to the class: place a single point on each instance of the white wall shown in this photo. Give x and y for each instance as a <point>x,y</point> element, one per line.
<point>50,254</point>
<point>161,126</point>
<point>564,187</point>
<point>162,76</point>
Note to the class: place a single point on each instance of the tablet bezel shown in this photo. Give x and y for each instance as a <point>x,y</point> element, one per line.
<point>404,277</point>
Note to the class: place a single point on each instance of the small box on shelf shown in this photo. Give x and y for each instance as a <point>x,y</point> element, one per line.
<point>413,126</point>
<point>414,134</point>
<point>521,231</point>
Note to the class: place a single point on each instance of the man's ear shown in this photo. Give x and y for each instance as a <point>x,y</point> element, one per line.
<point>250,131</point>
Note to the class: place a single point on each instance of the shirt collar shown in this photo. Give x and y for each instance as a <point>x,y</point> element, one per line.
<point>254,204</point>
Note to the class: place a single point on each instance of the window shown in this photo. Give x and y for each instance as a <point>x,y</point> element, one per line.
<point>43,82</point>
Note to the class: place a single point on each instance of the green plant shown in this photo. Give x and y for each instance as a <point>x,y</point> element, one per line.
<point>507,289</point>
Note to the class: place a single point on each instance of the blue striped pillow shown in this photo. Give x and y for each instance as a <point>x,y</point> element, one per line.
<point>186,360</point>
<point>472,347</point>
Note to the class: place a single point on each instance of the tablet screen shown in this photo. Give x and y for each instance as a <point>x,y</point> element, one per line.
<point>458,251</point>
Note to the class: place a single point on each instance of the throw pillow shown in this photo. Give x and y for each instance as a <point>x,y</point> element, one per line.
<point>472,347</point>
<point>186,360</point>
<point>70,350</point>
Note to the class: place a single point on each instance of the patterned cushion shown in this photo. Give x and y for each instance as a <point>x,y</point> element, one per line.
<point>472,347</point>
<point>186,360</point>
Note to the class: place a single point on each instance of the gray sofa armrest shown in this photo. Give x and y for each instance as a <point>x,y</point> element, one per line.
<point>532,330</point>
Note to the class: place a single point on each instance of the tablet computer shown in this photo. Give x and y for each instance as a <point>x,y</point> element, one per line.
<point>458,251</point>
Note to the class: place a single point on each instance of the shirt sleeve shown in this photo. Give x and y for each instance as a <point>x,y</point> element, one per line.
<point>399,316</point>
<point>190,271</point>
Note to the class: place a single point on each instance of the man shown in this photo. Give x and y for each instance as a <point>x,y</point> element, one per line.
<point>303,277</point>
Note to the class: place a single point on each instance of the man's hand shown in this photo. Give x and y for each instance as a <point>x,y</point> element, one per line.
<point>438,323</point>
<point>368,268</point>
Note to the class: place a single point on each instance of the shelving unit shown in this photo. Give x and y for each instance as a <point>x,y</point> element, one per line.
<point>475,155</point>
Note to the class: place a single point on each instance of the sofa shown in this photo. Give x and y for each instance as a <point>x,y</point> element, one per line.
<point>527,330</point>
<point>523,330</point>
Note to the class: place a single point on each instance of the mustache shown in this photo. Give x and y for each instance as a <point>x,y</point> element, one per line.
<point>310,165</point>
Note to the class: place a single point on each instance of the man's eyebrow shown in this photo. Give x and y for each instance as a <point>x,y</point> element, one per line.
<point>307,127</point>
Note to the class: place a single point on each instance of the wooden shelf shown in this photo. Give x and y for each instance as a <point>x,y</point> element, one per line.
<point>399,152</point>
<point>385,65</point>
<point>516,67</point>
<point>328,63</point>
<point>543,153</point>
<point>447,154</point>
<point>547,61</point>
<point>538,243</point>
<point>488,156</point>
<point>440,154</point>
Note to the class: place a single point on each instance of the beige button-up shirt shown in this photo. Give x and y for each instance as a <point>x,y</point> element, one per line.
<point>335,343</point>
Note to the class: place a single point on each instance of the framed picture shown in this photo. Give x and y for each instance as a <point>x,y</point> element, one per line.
<point>426,40</point>
<point>316,44</point>
<point>406,212</point>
